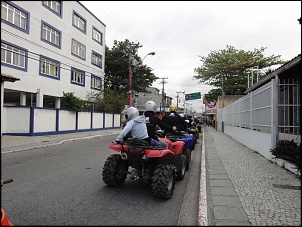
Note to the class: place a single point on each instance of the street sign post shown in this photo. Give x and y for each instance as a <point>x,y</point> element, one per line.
<point>192,96</point>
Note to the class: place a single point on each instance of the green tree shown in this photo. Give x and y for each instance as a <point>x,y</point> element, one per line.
<point>229,69</point>
<point>117,68</point>
<point>109,101</point>
<point>71,102</point>
<point>212,94</point>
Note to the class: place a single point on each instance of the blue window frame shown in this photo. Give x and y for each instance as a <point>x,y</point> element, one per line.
<point>51,35</point>
<point>77,76</point>
<point>13,15</point>
<point>79,22</point>
<point>96,59</point>
<point>96,82</point>
<point>49,67</point>
<point>14,56</point>
<point>97,35</point>
<point>54,6</point>
<point>78,49</point>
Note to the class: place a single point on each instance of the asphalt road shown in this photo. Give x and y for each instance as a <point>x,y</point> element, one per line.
<point>62,185</point>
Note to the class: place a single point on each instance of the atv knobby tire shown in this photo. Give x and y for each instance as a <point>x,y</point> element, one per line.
<point>163,181</point>
<point>114,170</point>
<point>187,153</point>
<point>181,170</point>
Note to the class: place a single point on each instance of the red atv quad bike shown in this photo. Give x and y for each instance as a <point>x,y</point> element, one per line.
<point>4,219</point>
<point>179,148</point>
<point>186,139</point>
<point>158,167</point>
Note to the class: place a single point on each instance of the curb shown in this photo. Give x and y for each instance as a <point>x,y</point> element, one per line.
<point>55,143</point>
<point>202,212</point>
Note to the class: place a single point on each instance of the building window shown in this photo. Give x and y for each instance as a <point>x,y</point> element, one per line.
<point>97,35</point>
<point>77,77</point>
<point>96,59</point>
<point>51,35</point>
<point>49,67</point>
<point>78,49</point>
<point>54,6</point>
<point>15,16</point>
<point>96,82</point>
<point>79,22</point>
<point>13,56</point>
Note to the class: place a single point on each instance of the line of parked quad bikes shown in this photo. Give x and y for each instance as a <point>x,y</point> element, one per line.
<point>160,168</point>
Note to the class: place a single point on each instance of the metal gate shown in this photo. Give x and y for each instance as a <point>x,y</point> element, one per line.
<point>289,124</point>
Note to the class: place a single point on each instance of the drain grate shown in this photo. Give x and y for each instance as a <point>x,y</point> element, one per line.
<point>285,186</point>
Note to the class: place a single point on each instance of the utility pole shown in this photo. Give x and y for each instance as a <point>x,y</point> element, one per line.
<point>163,94</point>
<point>222,92</point>
<point>132,50</point>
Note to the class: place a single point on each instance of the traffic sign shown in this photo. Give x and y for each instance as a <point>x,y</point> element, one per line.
<point>192,96</point>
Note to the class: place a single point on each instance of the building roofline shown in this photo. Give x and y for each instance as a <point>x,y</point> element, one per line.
<point>91,13</point>
<point>8,78</point>
<point>296,60</point>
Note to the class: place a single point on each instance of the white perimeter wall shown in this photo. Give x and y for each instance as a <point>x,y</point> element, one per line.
<point>67,120</point>
<point>84,120</point>
<point>38,121</point>
<point>98,120</point>
<point>44,120</point>
<point>17,120</point>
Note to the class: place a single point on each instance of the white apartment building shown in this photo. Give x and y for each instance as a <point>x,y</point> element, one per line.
<point>52,47</point>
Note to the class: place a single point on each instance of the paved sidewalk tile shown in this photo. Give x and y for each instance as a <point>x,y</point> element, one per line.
<point>237,174</point>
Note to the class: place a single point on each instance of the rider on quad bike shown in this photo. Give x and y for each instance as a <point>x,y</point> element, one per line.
<point>136,125</point>
<point>153,164</point>
<point>174,119</point>
<point>153,121</point>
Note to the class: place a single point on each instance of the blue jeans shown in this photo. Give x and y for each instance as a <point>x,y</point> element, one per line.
<point>156,143</point>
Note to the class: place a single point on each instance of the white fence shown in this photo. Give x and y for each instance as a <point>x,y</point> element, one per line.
<point>37,121</point>
<point>255,120</point>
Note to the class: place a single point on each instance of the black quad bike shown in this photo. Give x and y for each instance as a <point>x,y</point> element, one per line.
<point>158,167</point>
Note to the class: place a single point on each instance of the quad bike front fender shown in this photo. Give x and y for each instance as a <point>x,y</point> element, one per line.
<point>4,219</point>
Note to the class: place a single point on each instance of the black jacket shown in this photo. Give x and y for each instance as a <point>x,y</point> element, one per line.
<point>174,119</point>
<point>152,121</point>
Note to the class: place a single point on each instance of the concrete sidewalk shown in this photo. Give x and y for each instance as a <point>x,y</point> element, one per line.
<point>244,188</point>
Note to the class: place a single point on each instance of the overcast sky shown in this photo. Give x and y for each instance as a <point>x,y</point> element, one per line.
<point>181,31</point>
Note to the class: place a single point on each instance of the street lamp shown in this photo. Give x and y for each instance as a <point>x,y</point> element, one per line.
<point>136,96</point>
<point>151,53</point>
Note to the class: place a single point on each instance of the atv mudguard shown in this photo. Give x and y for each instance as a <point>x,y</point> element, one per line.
<point>150,153</point>
<point>188,140</point>
<point>115,147</point>
<point>176,147</point>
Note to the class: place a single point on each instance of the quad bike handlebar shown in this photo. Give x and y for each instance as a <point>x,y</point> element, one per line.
<point>6,181</point>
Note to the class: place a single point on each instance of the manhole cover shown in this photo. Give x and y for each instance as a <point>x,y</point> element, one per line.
<point>285,186</point>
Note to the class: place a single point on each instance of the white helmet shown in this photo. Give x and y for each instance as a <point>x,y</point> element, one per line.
<point>132,113</point>
<point>150,106</point>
